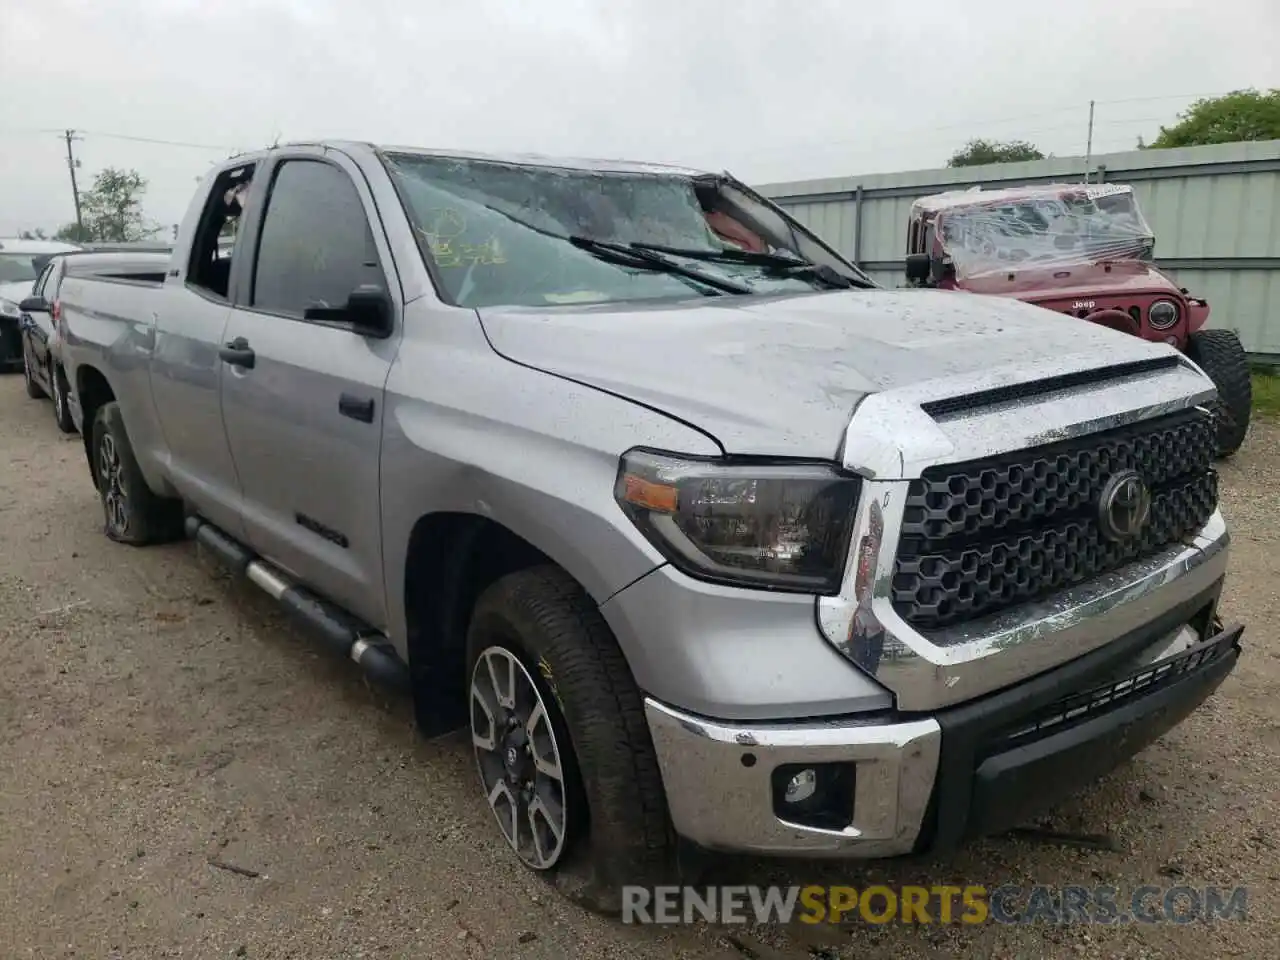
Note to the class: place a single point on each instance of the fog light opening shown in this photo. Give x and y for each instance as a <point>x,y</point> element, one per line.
<point>801,787</point>
<point>814,795</point>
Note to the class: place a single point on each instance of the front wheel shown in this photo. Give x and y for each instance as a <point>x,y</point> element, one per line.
<point>563,749</point>
<point>61,409</point>
<point>1220,354</point>
<point>132,513</point>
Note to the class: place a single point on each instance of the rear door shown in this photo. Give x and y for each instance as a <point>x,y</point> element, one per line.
<point>189,320</point>
<point>304,421</point>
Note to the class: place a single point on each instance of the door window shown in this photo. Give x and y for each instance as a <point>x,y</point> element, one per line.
<point>315,246</point>
<point>38,290</point>
<point>209,270</point>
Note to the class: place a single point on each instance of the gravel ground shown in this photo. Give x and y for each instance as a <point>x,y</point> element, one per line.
<point>160,723</point>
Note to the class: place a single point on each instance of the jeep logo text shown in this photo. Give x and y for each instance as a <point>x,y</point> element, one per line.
<point>1084,305</point>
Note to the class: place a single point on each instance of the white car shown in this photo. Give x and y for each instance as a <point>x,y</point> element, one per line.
<point>20,264</point>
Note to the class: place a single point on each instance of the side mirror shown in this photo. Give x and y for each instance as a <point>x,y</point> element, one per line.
<point>368,311</point>
<point>34,305</point>
<point>919,267</point>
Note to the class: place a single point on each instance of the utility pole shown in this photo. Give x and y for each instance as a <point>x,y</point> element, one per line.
<point>1088,149</point>
<point>70,135</point>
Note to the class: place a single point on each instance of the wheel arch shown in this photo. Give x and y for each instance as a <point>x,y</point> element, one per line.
<point>93,391</point>
<point>452,557</point>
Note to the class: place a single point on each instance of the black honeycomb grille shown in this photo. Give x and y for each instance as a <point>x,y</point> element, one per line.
<point>982,536</point>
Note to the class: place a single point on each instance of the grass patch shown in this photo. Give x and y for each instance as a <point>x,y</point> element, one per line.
<point>1266,394</point>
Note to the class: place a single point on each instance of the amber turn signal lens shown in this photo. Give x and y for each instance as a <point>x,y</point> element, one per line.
<point>650,495</point>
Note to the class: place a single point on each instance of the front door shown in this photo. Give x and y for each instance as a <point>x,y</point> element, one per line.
<point>303,400</point>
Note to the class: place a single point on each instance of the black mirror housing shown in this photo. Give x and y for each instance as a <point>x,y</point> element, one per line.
<point>368,311</point>
<point>34,305</point>
<point>919,267</point>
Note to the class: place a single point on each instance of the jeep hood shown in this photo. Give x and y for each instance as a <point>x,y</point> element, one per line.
<point>1074,281</point>
<point>781,376</point>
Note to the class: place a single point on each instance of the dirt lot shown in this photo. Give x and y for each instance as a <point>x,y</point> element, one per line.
<point>155,716</point>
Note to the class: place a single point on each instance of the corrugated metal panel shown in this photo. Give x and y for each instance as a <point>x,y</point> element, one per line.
<point>1218,206</point>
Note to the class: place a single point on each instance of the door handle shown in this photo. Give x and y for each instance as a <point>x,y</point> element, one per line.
<point>357,408</point>
<point>237,353</point>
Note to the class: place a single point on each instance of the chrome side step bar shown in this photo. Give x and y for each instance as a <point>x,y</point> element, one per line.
<point>338,629</point>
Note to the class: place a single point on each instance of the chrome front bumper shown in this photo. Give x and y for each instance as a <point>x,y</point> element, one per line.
<point>719,776</point>
<point>719,789</point>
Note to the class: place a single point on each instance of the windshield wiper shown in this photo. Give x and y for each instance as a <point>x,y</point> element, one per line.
<point>777,263</point>
<point>631,255</point>
<point>626,256</point>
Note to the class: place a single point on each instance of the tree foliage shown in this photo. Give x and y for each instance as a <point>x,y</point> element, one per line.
<point>36,234</point>
<point>111,210</point>
<point>977,152</point>
<point>72,233</point>
<point>1239,115</point>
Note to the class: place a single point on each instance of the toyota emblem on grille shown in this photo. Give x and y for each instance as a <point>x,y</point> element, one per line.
<point>1124,506</point>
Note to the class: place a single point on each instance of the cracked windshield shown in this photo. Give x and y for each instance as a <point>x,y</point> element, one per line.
<point>1049,230</point>
<point>523,235</point>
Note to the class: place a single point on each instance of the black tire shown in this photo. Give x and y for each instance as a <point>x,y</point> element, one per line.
<point>61,409</point>
<point>132,513</point>
<point>34,390</point>
<point>619,831</point>
<point>1221,355</point>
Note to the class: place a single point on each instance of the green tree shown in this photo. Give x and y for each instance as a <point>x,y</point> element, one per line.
<point>112,209</point>
<point>1239,115</point>
<point>36,234</point>
<point>977,152</point>
<point>73,233</point>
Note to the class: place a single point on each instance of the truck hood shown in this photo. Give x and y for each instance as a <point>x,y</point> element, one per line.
<point>1077,281</point>
<point>781,376</point>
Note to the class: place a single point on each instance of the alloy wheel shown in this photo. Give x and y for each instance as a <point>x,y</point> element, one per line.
<point>115,500</point>
<point>519,758</point>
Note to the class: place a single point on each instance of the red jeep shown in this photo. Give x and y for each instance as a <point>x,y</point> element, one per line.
<point>1083,250</point>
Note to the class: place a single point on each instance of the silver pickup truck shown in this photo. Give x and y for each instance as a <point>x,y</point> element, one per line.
<point>705,537</point>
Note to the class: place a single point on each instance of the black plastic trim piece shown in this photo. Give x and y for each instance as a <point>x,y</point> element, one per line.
<point>1038,388</point>
<point>969,728</point>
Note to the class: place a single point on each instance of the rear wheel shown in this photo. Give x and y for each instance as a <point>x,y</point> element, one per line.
<point>61,409</point>
<point>132,513</point>
<point>34,390</point>
<point>1221,355</point>
<point>563,749</point>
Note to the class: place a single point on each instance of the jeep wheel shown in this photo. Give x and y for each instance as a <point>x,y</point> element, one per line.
<point>561,742</point>
<point>34,390</point>
<point>1221,355</point>
<point>61,409</point>
<point>133,514</point>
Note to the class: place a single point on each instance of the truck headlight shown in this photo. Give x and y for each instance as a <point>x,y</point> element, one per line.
<point>9,309</point>
<point>1163,314</point>
<point>768,525</point>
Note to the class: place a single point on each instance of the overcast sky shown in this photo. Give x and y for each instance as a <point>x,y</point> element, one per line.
<point>770,90</point>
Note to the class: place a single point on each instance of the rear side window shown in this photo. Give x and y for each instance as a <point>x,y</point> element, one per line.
<point>209,270</point>
<point>43,288</point>
<point>315,246</point>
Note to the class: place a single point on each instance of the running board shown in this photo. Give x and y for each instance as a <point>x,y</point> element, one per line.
<point>339,630</point>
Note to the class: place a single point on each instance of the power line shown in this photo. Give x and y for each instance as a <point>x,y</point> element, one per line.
<point>29,131</point>
<point>1046,112</point>
<point>157,141</point>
